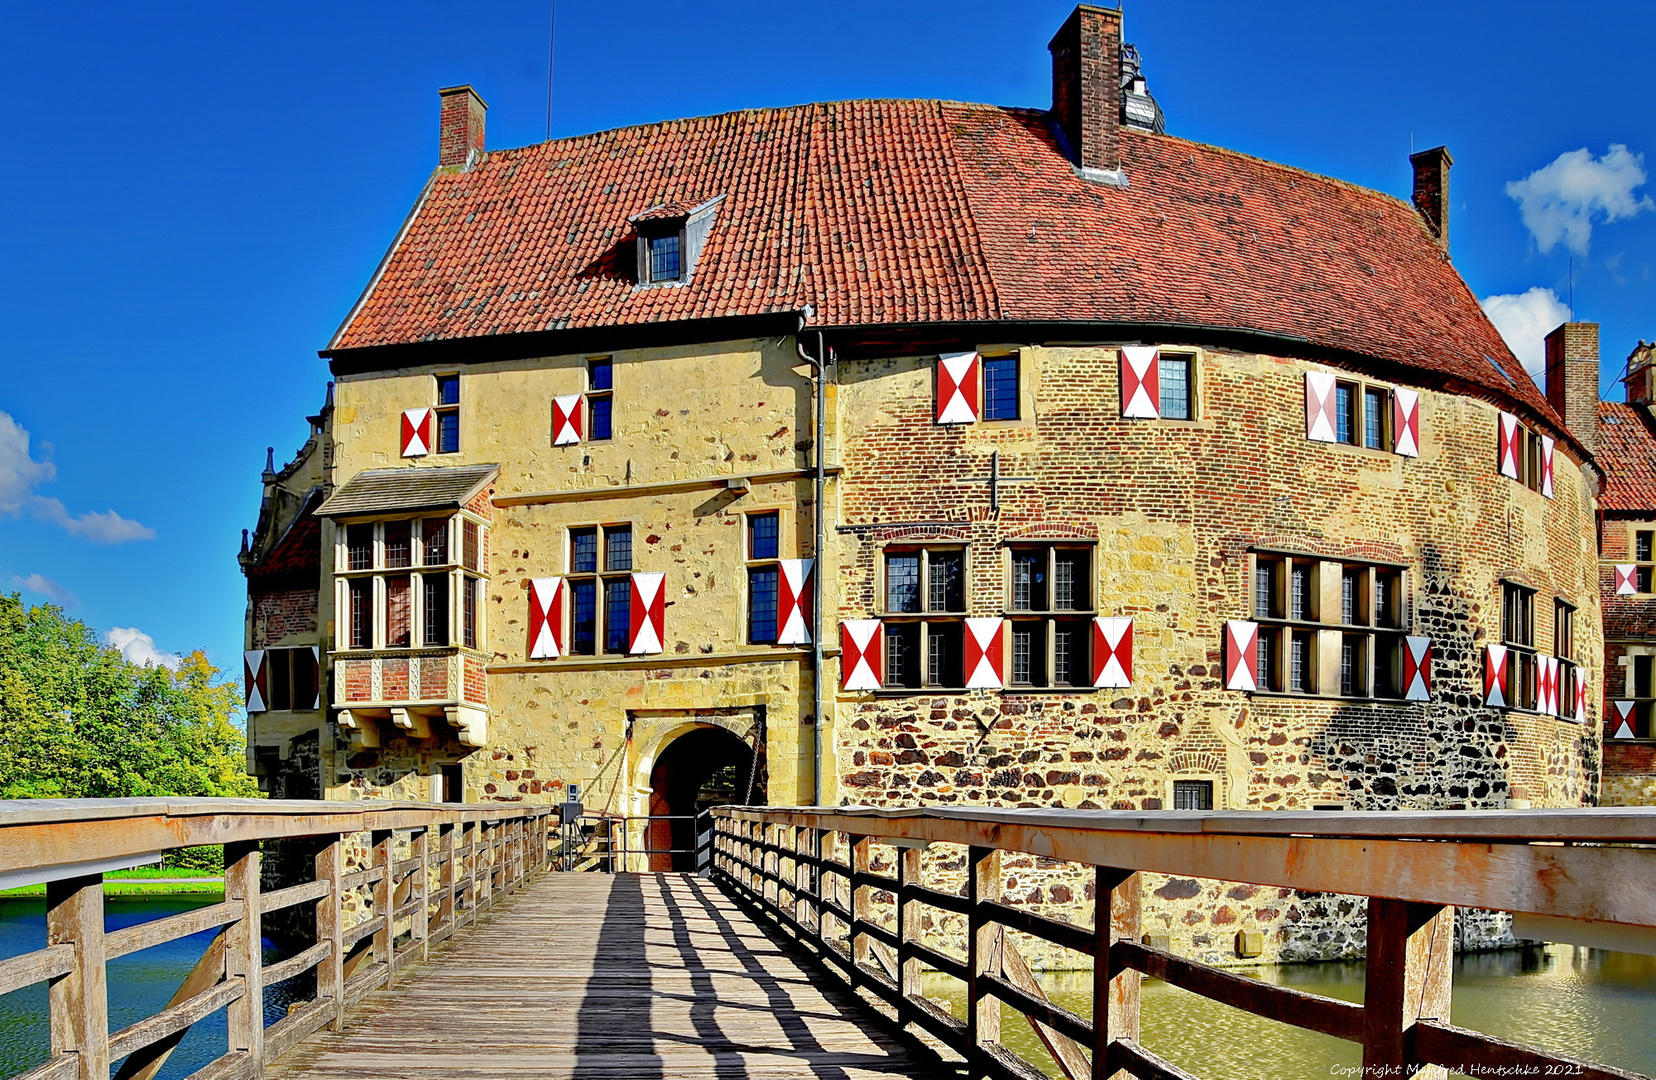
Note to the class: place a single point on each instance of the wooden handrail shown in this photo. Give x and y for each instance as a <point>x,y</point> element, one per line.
<point>461,858</point>
<point>1573,866</point>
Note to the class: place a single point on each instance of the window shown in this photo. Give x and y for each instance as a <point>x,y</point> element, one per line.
<point>1173,375</point>
<point>763,576</point>
<point>1644,554</point>
<point>398,584</point>
<point>1564,649</point>
<point>1518,634</point>
<point>290,679</point>
<point>664,257</point>
<point>1300,634</point>
<point>1345,413</point>
<point>448,414</point>
<point>925,607</point>
<point>1049,597</point>
<point>600,397</point>
<point>1377,415</point>
<point>1641,689</point>
<point>1193,794</point>
<point>1000,387</point>
<point>600,600</point>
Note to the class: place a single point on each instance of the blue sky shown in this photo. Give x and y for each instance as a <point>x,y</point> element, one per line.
<point>197,192</point>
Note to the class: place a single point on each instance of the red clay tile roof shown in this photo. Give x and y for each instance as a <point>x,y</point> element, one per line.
<point>889,212</point>
<point>1627,454</point>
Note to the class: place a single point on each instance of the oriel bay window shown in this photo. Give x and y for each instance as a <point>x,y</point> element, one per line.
<point>1328,628</point>
<point>398,582</point>
<point>925,611</point>
<point>1050,606</point>
<point>600,565</point>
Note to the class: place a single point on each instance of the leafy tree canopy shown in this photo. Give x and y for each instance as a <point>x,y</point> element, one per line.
<point>77,720</point>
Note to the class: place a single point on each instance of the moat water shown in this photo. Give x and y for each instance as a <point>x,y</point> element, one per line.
<point>1581,1003</point>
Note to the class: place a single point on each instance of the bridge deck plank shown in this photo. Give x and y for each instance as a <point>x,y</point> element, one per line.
<point>597,976</point>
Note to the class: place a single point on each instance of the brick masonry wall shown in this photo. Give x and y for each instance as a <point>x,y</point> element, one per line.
<point>278,616</point>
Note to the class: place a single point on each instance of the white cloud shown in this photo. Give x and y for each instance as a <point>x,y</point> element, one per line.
<point>1560,201</point>
<point>1524,320</point>
<point>139,648</point>
<point>41,585</point>
<point>20,474</point>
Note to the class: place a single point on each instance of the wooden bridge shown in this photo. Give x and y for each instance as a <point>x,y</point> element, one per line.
<point>443,947</point>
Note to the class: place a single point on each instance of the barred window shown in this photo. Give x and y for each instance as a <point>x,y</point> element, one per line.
<point>1193,794</point>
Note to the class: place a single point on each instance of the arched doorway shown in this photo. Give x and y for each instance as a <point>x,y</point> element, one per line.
<point>700,769</point>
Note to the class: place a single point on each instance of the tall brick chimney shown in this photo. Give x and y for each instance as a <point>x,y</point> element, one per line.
<point>1431,190</point>
<point>460,126</point>
<point>1086,90</point>
<point>1573,379</point>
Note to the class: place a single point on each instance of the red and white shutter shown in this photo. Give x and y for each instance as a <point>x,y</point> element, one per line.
<point>253,669</point>
<point>1627,579</point>
<point>568,419</point>
<point>862,654</point>
<point>416,432</point>
<point>1140,382</point>
<point>1406,422</point>
<point>316,662</point>
<point>1581,695</point>
<point>1546,678</point>
<point>546,608</point>
<point>1495,675</point>
<point>1319,406</point>
<point>1624,719</point>
<point>1241,655</point>
<point>793,603</point>
<point>649,613</point>
<point>1417,668</point>
<point>985,654</point>
<point>958,382</point>
<point>1507,449</point>
<point>1547,466</point>
<point>1112,652</point>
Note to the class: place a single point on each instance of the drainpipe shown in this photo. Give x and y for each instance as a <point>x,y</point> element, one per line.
<point>818,378</point>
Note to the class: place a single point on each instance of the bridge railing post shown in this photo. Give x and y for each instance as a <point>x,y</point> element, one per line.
<point>858,849</point>
<point>330,929</point>
<point>243,954</point>
<point>381,841</point>
<point>908,965</point>
<point>984,936</point>
<point>79,1000</point>
<point>1115,987</point>
<point>1409,969</point>
<point>420,890</point>
<point>445,876</point>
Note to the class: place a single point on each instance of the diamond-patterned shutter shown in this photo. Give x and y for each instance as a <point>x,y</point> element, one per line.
<point>316,669</point>
<point>1417,668</point>
<point>985,654</point>
<point>1546,685</point>
<point>1624,719</point>
<point>862,654</point>
<point>546,608</point>
<point>1495,675</point>
<point>1140,382</point>
<point>1112,651</point>
<point>416,432</point>
<point>649,613</point>
<point>1581,695</point>
<point>958,386</point>
<point>1627,579</point>
<point>1241,655</point>
<point>1406,422</point>
<point>568,419</point>
<point>793,603</point>
<point>253,670</point>
<point>1547,466</point>
<point>1507,447</point>
<point>1319,406</point>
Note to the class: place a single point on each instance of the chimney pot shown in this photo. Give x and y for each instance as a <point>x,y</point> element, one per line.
<point>460,127</point>
<point>1573,379</point>
<point>1086,90</point>
<point>1431,190</point>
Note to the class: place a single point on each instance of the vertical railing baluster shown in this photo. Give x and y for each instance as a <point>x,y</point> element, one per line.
<point>908,966</point>
<point>858,849</point>
<point>983,944</point>
<point>243,954</point>
<point>1115,988</point>
<point>446,876</point>
<point>420,930</point>
<point>1409,972</point>
<point>817,878</point>
<point>383,937</point>
<point>468,867</point>
<point>79,1001</point>
<point>330,928</point>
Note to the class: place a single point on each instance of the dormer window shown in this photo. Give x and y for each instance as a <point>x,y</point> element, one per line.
<point>670,240</point>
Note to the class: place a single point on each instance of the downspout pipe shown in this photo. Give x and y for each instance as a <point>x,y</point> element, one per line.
<point>818,365</point>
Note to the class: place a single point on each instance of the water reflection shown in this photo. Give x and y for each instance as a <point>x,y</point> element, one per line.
<point>1581,1003</point>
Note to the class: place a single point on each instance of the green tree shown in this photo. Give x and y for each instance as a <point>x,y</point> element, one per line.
<point>77,720</point>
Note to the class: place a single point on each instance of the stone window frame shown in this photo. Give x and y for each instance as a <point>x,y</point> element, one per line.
<point>601,576</point>
<point>288,654</point>
<point>1361,390</point>
<point>948,622</point>
<point>1027,382</point>
<point>1644,574</point>
<point>596,395</point>
<point>784,550</point>
<point>1528,459</point>
<point>460,578</point>
<point>1369,645</point>
<point>1518,635</point>
<point>1050,617</point>
<point>440,409</point>
<point>1192,358</point>
<point>1564,628</point>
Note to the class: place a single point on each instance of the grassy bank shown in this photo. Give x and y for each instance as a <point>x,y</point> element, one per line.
<point>145,881</point>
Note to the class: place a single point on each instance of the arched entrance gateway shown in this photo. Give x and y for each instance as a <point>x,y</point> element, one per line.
<point>700,769</point>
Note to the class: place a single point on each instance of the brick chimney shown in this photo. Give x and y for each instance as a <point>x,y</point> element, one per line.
<point>1086,90</point>
<point>460,126</point>
<point>1431,190</point>
<point>1573,379</point>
